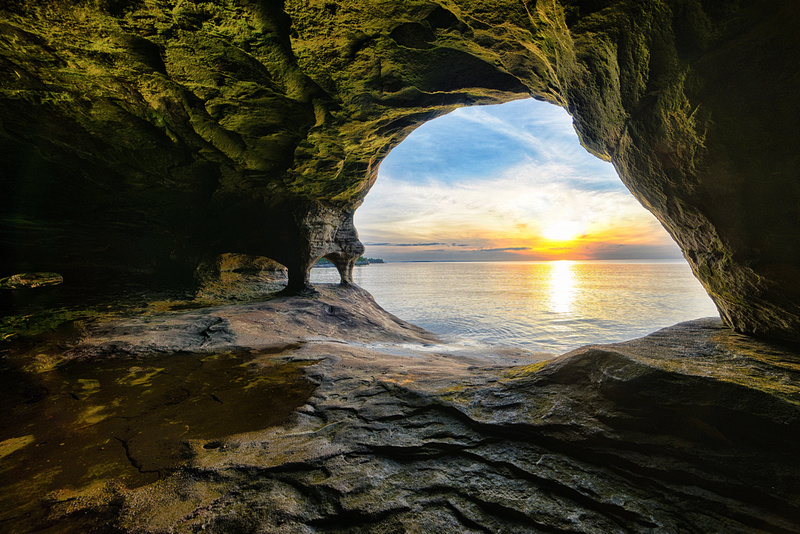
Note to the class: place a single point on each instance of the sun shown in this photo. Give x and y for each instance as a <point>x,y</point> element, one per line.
<point>563,231</point>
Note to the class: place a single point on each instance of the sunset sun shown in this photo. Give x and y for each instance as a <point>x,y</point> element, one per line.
<point>563,231</point>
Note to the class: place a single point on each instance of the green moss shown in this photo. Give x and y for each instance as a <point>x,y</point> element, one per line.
<point>41,323</point>
<point>525,371</point>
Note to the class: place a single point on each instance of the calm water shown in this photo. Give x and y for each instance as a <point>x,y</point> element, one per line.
<point>541,306</point>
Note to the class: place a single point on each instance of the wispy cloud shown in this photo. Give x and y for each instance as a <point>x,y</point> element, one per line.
<point>405,244</point>
<point>537,144</point>
<point>503,249</point>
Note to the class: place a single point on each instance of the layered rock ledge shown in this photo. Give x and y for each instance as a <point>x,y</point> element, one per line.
<point>691,429</point>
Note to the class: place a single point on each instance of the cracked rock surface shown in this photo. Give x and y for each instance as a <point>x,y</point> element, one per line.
<point>691,429</point>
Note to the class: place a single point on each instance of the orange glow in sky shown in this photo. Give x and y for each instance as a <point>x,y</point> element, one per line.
<point>508,182</point>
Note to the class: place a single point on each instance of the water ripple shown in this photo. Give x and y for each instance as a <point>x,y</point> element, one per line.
<point>539,306</point>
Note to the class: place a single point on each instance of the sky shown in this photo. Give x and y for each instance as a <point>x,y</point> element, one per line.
<point>504,182</point>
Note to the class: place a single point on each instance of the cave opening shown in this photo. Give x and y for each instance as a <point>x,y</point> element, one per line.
<point>495,225</point>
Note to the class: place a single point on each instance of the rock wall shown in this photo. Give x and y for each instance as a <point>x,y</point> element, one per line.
<point>151,136</point>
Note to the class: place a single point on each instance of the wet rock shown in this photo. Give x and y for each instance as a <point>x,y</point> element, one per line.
<point>123,422</point>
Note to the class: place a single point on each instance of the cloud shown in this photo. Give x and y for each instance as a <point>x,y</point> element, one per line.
<point>498,200</point>
<point>405,244</point>
<point>520,202</point>
<point>476,143</point>
<point>504,249</point>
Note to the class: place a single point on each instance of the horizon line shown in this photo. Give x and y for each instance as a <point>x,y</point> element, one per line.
<point>531,261</point>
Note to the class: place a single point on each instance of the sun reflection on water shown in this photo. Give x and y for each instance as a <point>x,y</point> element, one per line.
<point>562,286</point>
<point>551,307</point>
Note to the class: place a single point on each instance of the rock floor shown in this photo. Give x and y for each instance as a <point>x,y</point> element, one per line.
<point>327,414</point>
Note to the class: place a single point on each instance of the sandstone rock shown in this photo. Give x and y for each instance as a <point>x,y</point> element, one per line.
<point>148,138</point>
<point>691,429</point>
<point>240,277</point>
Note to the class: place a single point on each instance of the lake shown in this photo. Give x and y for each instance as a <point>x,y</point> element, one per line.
<point>549,307</point>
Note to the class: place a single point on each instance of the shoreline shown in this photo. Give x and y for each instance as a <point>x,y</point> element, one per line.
<point>692,425</point>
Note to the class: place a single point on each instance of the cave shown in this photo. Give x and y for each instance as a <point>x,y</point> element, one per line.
<point>148,141</point>
<point>162,137</point>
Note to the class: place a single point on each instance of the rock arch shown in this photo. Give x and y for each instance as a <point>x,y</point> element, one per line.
<point>148,137</point>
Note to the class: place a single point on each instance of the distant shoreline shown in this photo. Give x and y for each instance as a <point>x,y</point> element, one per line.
<point>326,263</point>
<point>652,260</point>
